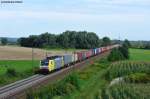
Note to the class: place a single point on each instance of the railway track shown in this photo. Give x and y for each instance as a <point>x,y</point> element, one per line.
<point>19,88</point>
<point>8,89</point>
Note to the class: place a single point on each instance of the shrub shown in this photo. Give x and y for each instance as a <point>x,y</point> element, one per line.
<point>115,55</point>
<point>74,80</point>
<point>124,50</point>
<point>11,72</point>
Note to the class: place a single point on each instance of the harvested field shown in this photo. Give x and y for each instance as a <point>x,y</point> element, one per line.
<point>23,53</point>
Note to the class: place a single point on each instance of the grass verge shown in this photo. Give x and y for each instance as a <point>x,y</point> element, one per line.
<point>13,70</point>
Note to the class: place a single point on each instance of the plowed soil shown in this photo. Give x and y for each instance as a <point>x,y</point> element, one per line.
<point>23,53</point>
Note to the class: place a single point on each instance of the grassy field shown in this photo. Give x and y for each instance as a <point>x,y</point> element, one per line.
<point>13,70</point>
<point>139,55</point>
<point>18,65</point>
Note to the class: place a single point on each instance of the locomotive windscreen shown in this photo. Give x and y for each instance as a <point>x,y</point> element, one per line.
<point>44,62</point>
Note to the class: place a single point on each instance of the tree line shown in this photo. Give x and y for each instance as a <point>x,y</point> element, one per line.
<point>67,39</point>
<point>3,41</point>
<point>140,44</point>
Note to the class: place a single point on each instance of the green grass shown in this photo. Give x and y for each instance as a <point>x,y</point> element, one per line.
<point>139,55</point>
<point>23,69</point>
<point>18,65</point>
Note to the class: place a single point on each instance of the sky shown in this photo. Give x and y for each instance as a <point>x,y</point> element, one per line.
<point>127,19</point>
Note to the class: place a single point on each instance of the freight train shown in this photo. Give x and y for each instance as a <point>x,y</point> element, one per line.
<point>53,63</point>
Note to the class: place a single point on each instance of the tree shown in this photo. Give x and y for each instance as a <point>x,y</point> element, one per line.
<point>48,39</point>
<point>93,40</point>
<point>82,40</point>
<point>115,55</point>
<point>68,39</point>
<point>127,43</point>
<point>124,50</point>
<point>106,41</point>
<point>147,46</point>
<point>120,53</point>
<point>4,41</point>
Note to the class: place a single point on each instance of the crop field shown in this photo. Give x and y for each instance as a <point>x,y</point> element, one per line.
<point>135,83</point>
<point>129,91</point>
<point>123,68</point>
<point>23,53</point>
<point>139,55</point>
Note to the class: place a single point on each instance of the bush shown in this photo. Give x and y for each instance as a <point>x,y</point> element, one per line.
<point>11,72</point>
<point>115,55</point>
<point>74,80</point>
<point>125,52</point>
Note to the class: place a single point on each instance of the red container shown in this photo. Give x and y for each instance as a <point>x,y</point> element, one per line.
<point>79,55</point>
<point>103,49</point>
<point>88,54</point>
<point>99,50</point>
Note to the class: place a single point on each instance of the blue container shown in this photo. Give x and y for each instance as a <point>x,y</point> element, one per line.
<point>58,62</point>
<point>93,52</point>
<point>67,59</point>
<point>97,51</point>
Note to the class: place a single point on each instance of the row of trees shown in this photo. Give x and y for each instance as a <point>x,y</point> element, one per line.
<point>3,41</point>
<point>68,39</point>
<point>140,44</point>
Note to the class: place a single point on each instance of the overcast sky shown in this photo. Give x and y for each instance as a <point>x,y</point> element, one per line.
<point>128,18</point>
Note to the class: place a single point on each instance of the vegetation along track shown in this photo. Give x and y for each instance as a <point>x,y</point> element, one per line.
<point>9,89</point>
<point>18,89</point>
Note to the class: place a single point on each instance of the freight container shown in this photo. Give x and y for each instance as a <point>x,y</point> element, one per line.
<point>67,59</point>
<point>58,62</point>
<point>74,57</point>
<point>103,49</point>
<point>83,55</point>
<point>88,53</point>
<point>79,54</point>
<point>97,51</point>
<point>93,52</point>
